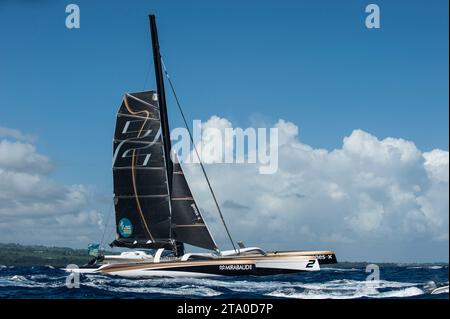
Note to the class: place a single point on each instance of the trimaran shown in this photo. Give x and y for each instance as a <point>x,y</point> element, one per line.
<point>156,210</point>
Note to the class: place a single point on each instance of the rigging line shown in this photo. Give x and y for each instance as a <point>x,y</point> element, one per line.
<point>111,234</point>
<point>107,223</point>
<point>198,156</point>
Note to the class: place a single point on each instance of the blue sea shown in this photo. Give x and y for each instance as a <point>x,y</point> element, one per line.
<point>341,282</point>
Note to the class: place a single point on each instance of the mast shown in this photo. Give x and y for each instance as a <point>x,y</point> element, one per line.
<point>161,98</point>
<point>178,247</point>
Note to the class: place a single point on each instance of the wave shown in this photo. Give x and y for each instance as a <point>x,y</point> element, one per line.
<point>440,290</point>
<point>23,282</point>
<point>434,267</point>
<point>212,287</point>
<point>149,287</point>
<point>339,269</point>
<point>350,289</point>
<point>337,284</point>
<point>364,293</point>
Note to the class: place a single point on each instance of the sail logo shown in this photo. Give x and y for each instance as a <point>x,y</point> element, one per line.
<point>125,227</point>
<point>130,152</point>
<point>236,267</point>
<point>194,208</point>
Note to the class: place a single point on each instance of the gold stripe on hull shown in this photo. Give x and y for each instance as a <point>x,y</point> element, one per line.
<point>300,255</point>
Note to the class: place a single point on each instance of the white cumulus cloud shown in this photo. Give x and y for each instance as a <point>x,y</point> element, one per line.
<point>372,199</point>
<point>33,207</point>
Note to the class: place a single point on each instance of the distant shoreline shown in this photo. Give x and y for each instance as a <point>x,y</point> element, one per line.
<point>39,255</point>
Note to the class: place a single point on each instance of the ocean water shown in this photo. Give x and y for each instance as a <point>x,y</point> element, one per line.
<point>337,282</point>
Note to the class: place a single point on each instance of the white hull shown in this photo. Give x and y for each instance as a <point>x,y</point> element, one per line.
<point>246,265</point>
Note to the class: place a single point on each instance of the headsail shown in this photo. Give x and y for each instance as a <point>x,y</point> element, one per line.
<point>142,197</point>
<point>188,225</point>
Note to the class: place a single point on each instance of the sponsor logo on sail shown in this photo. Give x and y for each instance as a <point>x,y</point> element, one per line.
<point>125,227</point>
<point>194,208</point>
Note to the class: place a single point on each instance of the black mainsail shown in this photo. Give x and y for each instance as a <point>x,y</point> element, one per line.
<point>153,203</point>
<point>141,192</point>
<point>150,214</point>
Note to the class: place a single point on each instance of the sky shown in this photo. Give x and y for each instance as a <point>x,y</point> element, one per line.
<point>371,105</point>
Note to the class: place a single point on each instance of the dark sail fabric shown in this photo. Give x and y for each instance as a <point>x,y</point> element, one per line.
<point>188,225</point>
<point>142,198</point>
<point>148,213</point>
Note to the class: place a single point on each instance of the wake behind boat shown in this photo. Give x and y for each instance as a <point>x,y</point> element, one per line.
<point>155,208</point>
